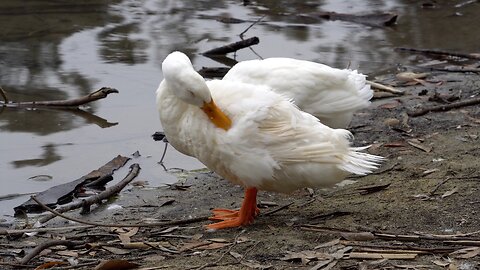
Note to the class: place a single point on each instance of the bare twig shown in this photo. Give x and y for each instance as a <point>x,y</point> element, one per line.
<point>232,47</point>
<point>251,25</point>
<point>445,107</point>
<point>438,186</point>
<point>441,53</point>
<point>99,94</point>
<point>4,95</point>
<point>48,244</point>
<point>278,209</point>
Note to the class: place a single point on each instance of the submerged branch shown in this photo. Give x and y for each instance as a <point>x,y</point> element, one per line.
<point>233,47</point>
<point>69,103</point>
<point>440,53</point>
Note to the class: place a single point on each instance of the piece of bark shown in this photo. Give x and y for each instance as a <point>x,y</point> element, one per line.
<point>64,193</point>
<point>87,202</point>
<point>69,103</point>
<point>233,47</point>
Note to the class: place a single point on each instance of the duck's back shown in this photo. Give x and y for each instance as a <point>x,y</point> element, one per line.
<point>330,94</point>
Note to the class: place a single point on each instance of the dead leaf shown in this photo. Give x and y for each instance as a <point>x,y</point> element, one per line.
<point>218,240</point>
<point>391,105</point>
<point>169,230</point>
<point>372,189</point>
<point>50,265</point>
<point>194,244</point>
<point>116,265</point>
<point>236,255</point>
<point>394,144</point>
<point>306,256</point>
<point>213,246</point>
<point>341,252</point>
<point>255,265</point>
<point>358,236</point>
<point>138,245</point>
<point>328,244</point>
<point>68,253</point>
<point>427,172</point>
<point>321,264</point>
<point>417,144</point>
<point>466,253</point>
<point>116,251</point>
<point>440,263</point>
<point>375,255</point>
<point>450,192</point>
<point>410,76</point>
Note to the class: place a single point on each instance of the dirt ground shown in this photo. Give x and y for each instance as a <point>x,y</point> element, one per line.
<point>387,220</point>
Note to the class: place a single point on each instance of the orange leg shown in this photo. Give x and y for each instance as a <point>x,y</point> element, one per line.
<point>236,218</point>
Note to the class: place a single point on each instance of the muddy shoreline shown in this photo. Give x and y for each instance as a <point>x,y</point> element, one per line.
<point>428,186</point>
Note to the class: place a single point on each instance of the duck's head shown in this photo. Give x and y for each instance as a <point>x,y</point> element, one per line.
<point>190,87</point>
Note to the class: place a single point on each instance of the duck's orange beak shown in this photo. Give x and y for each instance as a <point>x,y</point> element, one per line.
<point>216,115</point>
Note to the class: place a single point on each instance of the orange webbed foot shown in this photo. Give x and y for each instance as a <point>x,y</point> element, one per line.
<point>236,218</point>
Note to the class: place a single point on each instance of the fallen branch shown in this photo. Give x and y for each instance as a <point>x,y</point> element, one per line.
<point>154,224</point>
<point>446,107</point>
<point>86,203</point>
<point>213,72</point>
<point>45,245</point>
<point>69,103</point>
<point>440,53</point>
<point>232,47</point>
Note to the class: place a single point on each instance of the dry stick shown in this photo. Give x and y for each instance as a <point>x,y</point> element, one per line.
<point>438,52</point>
<point>48,244</point>
<point>278,209</point>
<point>41,230</point>
<point>99,94</point>
<point>446,107</point>
<point>17,265</point>
<point>232,47</point>
<point>107,193</point>
<point>449,239</point>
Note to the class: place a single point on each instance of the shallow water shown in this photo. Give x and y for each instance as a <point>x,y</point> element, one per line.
<point>58,50</point>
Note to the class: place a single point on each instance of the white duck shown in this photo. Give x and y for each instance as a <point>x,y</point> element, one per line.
<point>252,136</point>
<point>330,94</point>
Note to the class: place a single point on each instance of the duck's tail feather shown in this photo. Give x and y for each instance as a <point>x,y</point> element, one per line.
<point>361,163</point>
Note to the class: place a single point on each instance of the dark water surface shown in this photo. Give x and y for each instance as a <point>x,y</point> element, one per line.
<point>63,49</point>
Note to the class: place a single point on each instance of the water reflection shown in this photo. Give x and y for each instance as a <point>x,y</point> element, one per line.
<point>48,156</point>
